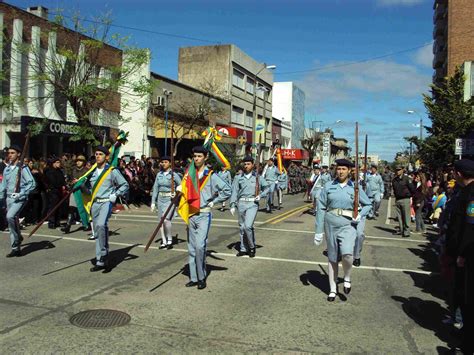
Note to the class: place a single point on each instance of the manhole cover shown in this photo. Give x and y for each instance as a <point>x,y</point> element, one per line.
<point>100,318</point>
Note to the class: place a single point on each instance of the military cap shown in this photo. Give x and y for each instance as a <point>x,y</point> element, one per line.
<point>465,166</point>
<point>344,162</point>
<point>324,166</point>
<point>248,158</point>
<point>81,157</point>
<point>316,166</point>
<point>102,149</point>
<point>199,149</point>
<point>399,167</point>
<point>373,166</point>
<point>15,148</point>
<point>165,157</point>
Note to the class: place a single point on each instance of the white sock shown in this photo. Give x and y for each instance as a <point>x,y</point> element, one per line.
<point>332,273</point>
<point>347,260</point>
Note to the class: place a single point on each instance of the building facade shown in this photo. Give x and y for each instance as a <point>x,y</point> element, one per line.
<point>237,77</point>
<point>452,33</point>
<point>289,107</point>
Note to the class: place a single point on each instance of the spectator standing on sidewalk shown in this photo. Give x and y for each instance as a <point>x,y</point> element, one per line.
<point>55,184</point>
<point>403,190</point>
<point>419,198</point>
<point>387,178</point>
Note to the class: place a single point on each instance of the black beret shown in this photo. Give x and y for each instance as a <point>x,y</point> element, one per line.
<point>15,148</point>
<point>465,166</point>
<point>165,157</point>
<point>199,149</point>
<point>344,162</point>
<point>102,149</point>
<point>316,166</point>
<point>248,158</point>
<point>374,166</point>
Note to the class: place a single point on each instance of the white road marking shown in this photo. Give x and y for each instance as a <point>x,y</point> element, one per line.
<point>389,210</point>
<point>294,261</point>
<point>115,215</point>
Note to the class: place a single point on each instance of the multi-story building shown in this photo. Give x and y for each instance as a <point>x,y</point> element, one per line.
<point>452,34</point>
<point>230,73</point>
<point>25,98</point>
<point>289,107</point>
<point>186,111</point>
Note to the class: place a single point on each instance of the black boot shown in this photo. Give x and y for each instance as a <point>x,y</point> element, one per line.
<point>67,228</point>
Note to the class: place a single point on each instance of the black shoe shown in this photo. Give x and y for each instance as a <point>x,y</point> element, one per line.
<point>169,246</point>
<point>269,211</point>
<point>96,268</point>
<point>356,262</point>
<point>332,296</point>
<point>191,284</point>
<point>51,226</point>
<point>347,290</point>
<point>202,285</point>
<point>406,236</point>
<point>252,253</point>
<point>241,253</point>
<point>66,229</point>
<point>14,253</point>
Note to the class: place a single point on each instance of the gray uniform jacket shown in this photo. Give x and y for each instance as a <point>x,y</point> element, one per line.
<point>163,184</point>
<point>216,190</point>
<point>7,187</point>
<point>114,184</point>
<point>244,187</point>
<point>374,184</point>
<point>225,175</point>
<point>334,196</point>
<point>271,173</point>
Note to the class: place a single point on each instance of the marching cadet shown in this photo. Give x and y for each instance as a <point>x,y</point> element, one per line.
<point>282,184</point>
<point>105,185</point>
<point>375,190</point>
<point>212,190</point>
<point>225,175</point>
<point>325,175</point>
<point>162,196</point>
<point>317,186</point>
<point>460,247</point>
<point>334,219</point>
<point>15,197</point>
<point>270,174</point>
<point>247,190</point>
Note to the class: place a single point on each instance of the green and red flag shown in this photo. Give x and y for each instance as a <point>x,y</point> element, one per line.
<point>212,135</point>
<point>190,201</point>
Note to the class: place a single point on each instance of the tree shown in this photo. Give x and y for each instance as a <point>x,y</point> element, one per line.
<point>451,118</point>
<point>89,76</point>
<point>312,143</point>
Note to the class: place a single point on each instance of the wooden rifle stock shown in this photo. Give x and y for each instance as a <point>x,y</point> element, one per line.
<point>355,211</point>
<point>365,164</point>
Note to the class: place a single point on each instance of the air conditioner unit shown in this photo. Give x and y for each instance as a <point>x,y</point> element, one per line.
<point>158,101</point>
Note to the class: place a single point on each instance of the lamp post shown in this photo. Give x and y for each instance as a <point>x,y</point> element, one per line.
<point>411,112</point>
<point>167,94</point>
<point>254,107</point>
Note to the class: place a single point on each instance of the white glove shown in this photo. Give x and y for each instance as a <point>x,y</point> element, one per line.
<point>173,194</point>
<point>210,204</point>
<point>232,211</point>
<point>357,219</point>
<point>318,238</point>
<point>113,198</point>
<point>153,207</point>
<point>257,198</point>
<point>179,188</point>
<point>15,196</point>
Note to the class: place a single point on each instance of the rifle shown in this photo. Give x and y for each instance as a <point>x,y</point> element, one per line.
<point>20,163</point>
<point>355,211</point>
<point>365,164</point>
<point>257,180</point>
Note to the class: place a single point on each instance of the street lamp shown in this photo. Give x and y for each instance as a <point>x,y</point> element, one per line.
<point>411,112</point>
<point>167,94</point>
<point>254,107</point>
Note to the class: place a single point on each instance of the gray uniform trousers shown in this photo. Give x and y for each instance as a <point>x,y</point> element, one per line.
<point>100,212</point>
<point>340,236</point>
<point>271,190</point>
<point>198,231</point>
<point>403,215</point>
<point>163,203</point>
<point>247,214</point>
<point>13,210</point>
<point>360,238</point>
<point>376,199</point>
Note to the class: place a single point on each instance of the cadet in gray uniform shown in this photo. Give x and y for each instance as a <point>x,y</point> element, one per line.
<point>225,175</point>
<point>325,175</point>
<point>16,200</point>
<point>214,191</point>
<point>281,186</point>
<point>113,186</point>
<point>270,174</point>
<point>334,219</point>
<point>162,196</point>
<point>375,190</point>
<point>317,181</point>
<point>245,195</point>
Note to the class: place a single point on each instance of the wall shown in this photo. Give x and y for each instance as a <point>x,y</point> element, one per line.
<point>297,122</point>
<point>460,33</point>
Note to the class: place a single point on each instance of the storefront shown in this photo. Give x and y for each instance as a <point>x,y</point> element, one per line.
<point>294,155</point>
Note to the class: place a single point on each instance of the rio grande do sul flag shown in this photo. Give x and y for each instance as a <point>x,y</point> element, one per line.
<point>190,199</point>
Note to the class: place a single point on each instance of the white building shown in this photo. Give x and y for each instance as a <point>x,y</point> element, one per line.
<point>288,106</point>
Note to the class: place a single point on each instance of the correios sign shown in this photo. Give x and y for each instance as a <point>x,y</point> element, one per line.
<point>61,127</point>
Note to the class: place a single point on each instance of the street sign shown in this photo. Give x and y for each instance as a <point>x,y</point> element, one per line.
<point>241,140</point>
<point>464,146</point>
<point>326,156</point>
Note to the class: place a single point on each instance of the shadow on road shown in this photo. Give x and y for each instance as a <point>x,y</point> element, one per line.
<point>36,246</point>
<point>385,229</point>
<point>236,246</point>
<point>317,279</point>
<point>429,315</point>
<point>116,257</point>
<point>209,269</point>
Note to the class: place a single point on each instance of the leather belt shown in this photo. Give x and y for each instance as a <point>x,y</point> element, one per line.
<point>101,200</point>
<point>164,194</point>
<point>341,212</point>
<point>247,199</point>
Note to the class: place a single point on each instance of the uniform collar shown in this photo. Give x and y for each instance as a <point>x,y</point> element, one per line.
<point>336,182</point>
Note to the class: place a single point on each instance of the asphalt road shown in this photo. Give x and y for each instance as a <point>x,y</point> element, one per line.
<point>275,302</point>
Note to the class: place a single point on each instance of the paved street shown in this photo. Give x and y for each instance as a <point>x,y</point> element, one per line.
<point>275,302</point>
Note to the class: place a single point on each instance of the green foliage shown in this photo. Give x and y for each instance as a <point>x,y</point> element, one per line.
<point>451,118</point>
